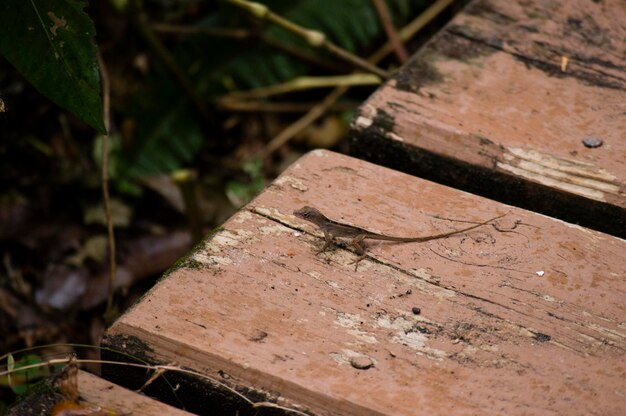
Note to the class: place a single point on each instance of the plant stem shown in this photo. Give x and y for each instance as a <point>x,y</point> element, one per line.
<point>104,177</point>
<point>314,38</point>
<point>305,83</point>
<point>406,33</point>
<point>392,34</point>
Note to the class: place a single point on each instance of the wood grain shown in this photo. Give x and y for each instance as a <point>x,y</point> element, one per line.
<point>501,102</point>
<point>527,319</point>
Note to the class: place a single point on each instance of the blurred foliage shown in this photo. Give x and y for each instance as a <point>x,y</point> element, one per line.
<point>20,381</point>
<point>239,192</point>
<point>216,48</point>
<point>51,43</point>
<point>167,134</point>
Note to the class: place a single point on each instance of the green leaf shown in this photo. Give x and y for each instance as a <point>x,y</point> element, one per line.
<point>19,380</point>
<point>167,135</point>
<point>50,43</point>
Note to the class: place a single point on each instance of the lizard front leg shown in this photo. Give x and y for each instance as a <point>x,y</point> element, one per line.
<point>328,241</point>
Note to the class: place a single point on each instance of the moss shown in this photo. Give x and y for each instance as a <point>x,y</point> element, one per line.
<point>187,261</point>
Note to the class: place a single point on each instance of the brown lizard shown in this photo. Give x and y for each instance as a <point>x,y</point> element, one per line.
<point>333,229</point>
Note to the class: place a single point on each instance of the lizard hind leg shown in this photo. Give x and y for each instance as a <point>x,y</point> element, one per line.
<point>359,247</point>
<point>357,243</point>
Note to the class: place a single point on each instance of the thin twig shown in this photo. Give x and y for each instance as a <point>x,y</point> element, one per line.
<point>166,28</point>
<point>157,374</point>
<point>390,30</point>
<point>406,33</point>
<point>306,83</point>
<point>300,124</point>
<point>280,107</point>
<point>312,37</point>
<point>104,177</point>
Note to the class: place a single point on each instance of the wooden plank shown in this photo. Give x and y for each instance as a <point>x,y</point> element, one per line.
<point>524,321</point>
<point>109,397</point>
<point>72,392</point>
<point>501,102</point>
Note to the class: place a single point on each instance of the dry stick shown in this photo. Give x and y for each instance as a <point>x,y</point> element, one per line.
<point>314,38</point>
<point>104,177</point>
<point>167,28</point>
<point>305,83</point>
<point>281,107</point>
<point>406,33</point>
<point>415,26</point>
<point>392,34</point>
<point>300,124</point>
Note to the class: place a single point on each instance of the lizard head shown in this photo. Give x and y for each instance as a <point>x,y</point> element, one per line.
<point>308,213</point>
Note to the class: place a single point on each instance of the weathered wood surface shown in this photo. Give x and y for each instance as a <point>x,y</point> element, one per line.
<point>500,102</point>
<point>525,321</point>
<point>109,397</point>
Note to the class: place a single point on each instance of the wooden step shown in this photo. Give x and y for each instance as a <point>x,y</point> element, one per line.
<point>98,392</point>
<point>523,318</point>
<point>71,392</point>
<point>508,101</point>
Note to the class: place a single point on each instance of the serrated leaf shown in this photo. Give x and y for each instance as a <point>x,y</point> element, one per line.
<point>50,44</point>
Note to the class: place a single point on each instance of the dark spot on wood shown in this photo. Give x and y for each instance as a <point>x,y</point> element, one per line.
<point>555,316</point>
<point>418,328</point>
<point>384,121</point>
<point>484,141</point>
<point>259,336</point>
<point>195,323</point>
<point>542,337</point>
<point>453,45</point>
<point>417,73</point>
<point>589,31</point>
<point>130,345</point>
<point>486,10</point>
